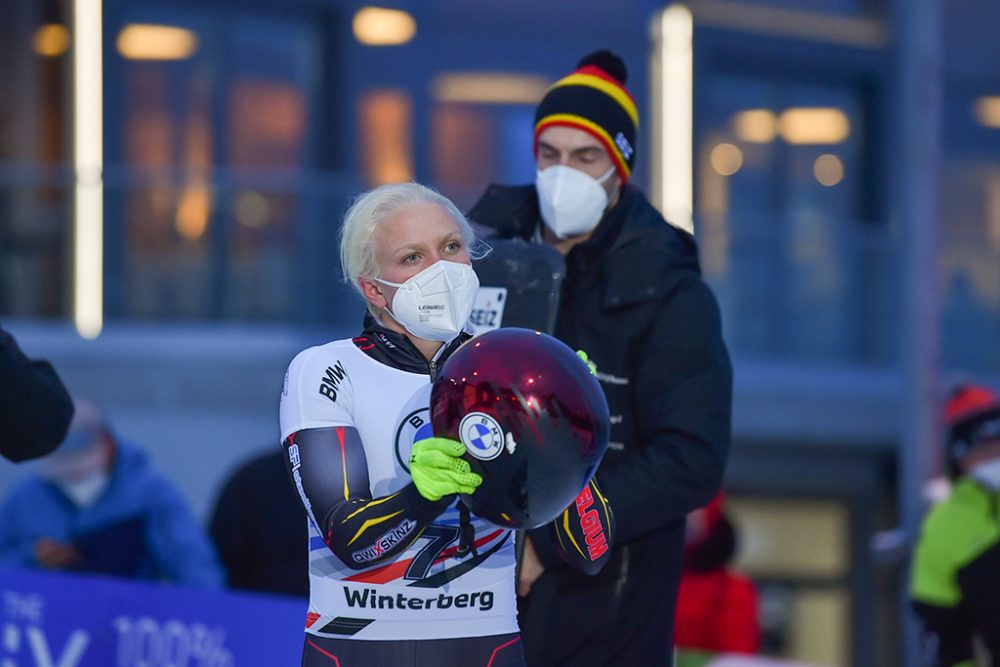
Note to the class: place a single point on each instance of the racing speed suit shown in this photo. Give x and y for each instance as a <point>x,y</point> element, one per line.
<point>385,564</point>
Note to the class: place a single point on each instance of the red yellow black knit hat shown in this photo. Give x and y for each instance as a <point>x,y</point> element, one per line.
<point>593,98</point>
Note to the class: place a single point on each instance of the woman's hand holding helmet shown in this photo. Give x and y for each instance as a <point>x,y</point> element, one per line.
<point>585,531</point>
<point>438,469</point>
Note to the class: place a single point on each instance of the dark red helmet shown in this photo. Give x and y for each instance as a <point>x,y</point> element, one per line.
<point>533,419</point>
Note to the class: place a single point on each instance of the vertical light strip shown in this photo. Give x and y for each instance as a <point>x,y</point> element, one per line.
<point>673,110</point>
<point>88,168</point>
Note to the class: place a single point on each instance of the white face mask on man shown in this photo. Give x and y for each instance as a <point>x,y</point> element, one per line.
<point>85,492</point>
<point>987,473</point>
<point>436,303</point>
<point>571,202</point>
<point>81,474</point>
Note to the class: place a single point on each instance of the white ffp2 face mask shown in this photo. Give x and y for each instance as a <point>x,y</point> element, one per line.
<point>85,492</point>
<point>571,202</point>
<point>987,473</point>
<point>436,303</point>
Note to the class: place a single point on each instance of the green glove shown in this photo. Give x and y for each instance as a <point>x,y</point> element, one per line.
<point>438,469</point>
<point>590,364</point>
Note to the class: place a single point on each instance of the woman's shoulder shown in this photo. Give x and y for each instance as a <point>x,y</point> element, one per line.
<point>319,354</point>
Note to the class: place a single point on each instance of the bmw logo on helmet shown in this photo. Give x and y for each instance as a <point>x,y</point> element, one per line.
<point>481,435</point>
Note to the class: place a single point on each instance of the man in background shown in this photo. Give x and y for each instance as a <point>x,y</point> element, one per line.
<point>634,300</point>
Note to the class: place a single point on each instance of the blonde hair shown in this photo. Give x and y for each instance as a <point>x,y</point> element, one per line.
<point>357,234</point>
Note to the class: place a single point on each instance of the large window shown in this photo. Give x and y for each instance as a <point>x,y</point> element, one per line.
<point>210,196</point>
<point>783,201</point>
<point>34,151</point>
<point>236,133</point>
<point>798,553</point>
<point>970,235</point>
<point>474,145</point>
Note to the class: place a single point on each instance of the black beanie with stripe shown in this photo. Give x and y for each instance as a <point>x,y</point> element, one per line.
<point>593,98</point>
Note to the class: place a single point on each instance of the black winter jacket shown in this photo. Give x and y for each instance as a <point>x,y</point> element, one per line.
<point>634,300</point>
<point>35,409</point>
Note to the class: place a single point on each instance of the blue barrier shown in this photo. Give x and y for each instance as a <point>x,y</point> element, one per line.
<point>62,620</point>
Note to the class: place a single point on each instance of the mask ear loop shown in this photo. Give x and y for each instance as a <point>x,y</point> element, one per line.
<point>387,282</point>
<point>388,301</point>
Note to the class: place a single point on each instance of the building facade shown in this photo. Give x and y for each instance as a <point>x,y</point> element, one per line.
<point>236,133</point>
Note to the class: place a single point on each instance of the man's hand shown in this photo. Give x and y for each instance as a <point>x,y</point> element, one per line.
<point>438,469</point>
<point>591,366</point>
<point>55,555</point>
<point>530,569</point>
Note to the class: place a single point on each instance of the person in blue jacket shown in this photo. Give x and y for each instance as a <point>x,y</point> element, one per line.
<point>96,505</point>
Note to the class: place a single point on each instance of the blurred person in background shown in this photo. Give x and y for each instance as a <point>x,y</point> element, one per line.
<point>35,408</point>
<point>955,585</point>
<point>634,300</point>
<point>97,506</point>
<point>716,606</point>
<point>259,528</point>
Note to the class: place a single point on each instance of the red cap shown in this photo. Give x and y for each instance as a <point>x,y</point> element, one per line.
<point>968,400</point>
